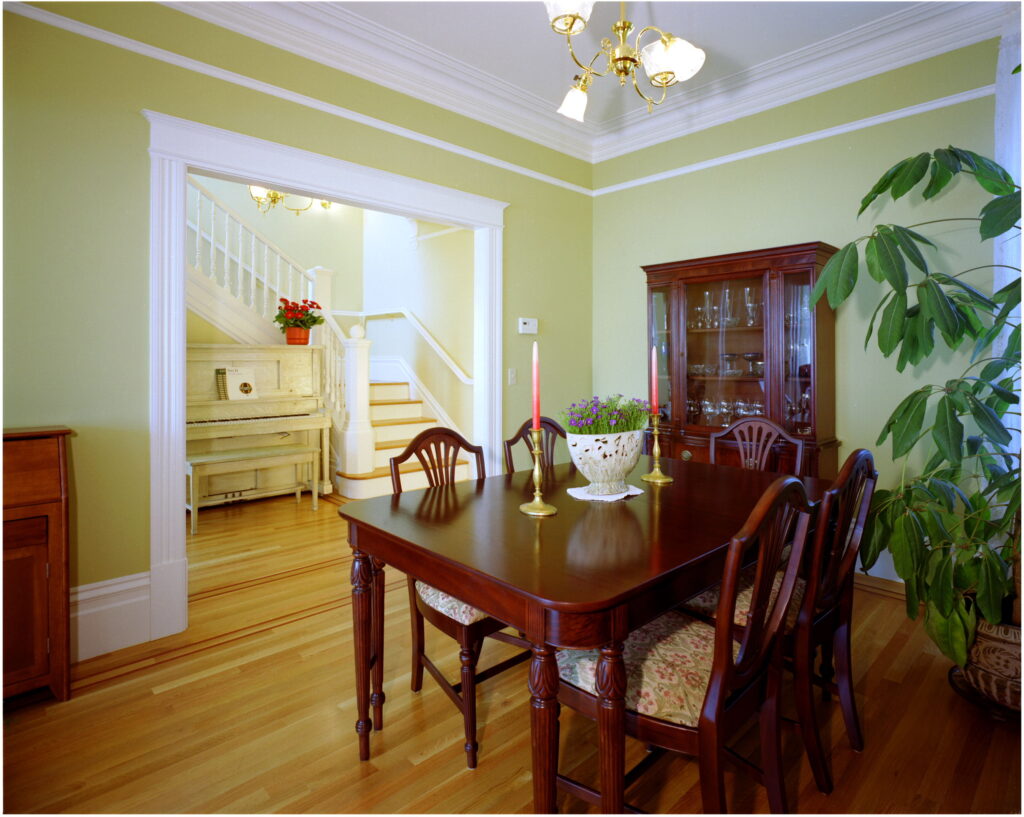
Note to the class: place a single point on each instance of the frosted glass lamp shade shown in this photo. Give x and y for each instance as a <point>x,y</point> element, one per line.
<point>574,104</point>
<point>669,60</point>
<point>568,16</point>
<point>258,192</point>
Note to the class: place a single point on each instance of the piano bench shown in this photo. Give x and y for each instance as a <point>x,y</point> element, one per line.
<point>199,466</point>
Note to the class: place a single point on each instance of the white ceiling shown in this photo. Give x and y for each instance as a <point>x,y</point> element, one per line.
<point>500,63</point>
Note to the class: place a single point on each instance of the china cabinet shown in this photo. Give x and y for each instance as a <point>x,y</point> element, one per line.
<point>736,337</point>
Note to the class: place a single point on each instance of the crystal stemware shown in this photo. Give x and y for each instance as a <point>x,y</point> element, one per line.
<point>752,358</point>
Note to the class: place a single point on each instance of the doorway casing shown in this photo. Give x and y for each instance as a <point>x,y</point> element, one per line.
<point>178,146</point>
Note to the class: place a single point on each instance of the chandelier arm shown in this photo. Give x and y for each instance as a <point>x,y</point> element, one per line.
<point>297,210</point>
<point>647,99</point>
<point>643,31</point>
<point>589,68</point>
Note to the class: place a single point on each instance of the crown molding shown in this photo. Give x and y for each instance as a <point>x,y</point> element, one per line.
<point>904,37</point>
<point>340,39</point>
<point>343,40</point>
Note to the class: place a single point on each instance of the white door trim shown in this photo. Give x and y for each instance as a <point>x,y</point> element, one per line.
<point>178,146</point>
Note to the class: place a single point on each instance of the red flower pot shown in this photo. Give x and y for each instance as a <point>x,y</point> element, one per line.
<point>296,336</point>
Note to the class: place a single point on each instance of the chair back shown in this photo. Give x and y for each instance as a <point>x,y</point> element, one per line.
<point>550,432</point>
<point>437,450</point>
<point>755,438</point>
<point>780,518</point>
<point>840,528</point>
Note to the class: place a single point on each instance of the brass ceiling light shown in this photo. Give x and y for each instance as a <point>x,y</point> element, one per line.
<point>667,60</point>
<point>266,200</point>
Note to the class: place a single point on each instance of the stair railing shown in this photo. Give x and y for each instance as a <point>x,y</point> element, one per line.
<point>247,264</point>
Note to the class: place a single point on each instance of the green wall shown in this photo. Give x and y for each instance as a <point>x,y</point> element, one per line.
<point>76,224</point>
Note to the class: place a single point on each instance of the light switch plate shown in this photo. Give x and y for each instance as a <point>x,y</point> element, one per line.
<point>527,326</point>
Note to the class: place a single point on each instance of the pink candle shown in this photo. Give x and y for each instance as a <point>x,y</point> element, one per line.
<point>654,379</point>
<point>536,387</point>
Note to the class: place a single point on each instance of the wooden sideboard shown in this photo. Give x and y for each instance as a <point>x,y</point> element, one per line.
<point>737,338</point>
<point>36,610</point>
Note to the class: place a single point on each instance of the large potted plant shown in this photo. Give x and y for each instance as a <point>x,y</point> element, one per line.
<point>953,528</point>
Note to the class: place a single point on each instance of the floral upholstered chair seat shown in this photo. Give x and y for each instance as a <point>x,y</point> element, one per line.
<point>668,668</point>
<point>706,603</point>
<point>449,605</point>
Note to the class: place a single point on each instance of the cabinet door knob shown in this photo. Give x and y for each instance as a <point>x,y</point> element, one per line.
<point>686,456</point>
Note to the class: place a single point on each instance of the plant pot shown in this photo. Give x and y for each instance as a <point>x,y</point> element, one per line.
<point>993,664</point>
<point>605,459</point>
<point>296,336</point>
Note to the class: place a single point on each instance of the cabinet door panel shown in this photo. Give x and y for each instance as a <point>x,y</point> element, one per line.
<point>25,599</point>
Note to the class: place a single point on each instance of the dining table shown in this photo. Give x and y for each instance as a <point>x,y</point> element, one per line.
<point>583,578</point>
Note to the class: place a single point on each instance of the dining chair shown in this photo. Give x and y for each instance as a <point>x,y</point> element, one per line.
<point>755,439</point>
<point>689,684</point>
<point>437,450</point>
<point>550,432</point>
<point>822,610</point>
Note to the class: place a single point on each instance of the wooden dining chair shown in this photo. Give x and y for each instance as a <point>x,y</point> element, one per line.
<point>826,614</point>
<point>689,684</point>
<point>755,439</point>
<point>550,432</point>
<point>822,611</point>
<point>437,450</point>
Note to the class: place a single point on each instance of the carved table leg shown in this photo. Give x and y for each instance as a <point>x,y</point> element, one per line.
<point>611,722</point>
<point>362,581</point>
<point>377,645</point>
<point>544,709</point>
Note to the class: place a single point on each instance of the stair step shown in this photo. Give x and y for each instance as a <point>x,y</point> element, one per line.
<point>387,444</point>
<point>395,409</point>
<point>388,390</point>
<point>384,450</point>
<point>402,428</point>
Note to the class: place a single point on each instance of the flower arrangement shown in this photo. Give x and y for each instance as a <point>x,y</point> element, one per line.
<point>299,315</point>
<point>608,416</point>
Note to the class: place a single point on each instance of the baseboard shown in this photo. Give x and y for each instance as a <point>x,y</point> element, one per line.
<point>109,615</point>
<point>879,586</point>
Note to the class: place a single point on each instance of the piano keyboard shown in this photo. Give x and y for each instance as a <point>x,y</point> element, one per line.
<point>243,420</point>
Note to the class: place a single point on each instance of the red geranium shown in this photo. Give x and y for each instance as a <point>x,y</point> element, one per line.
<point>304,315</point>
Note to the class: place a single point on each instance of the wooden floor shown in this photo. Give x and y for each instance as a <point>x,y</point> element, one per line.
<point>252,709</point>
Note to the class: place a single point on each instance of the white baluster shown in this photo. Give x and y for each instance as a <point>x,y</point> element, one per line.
<point>238,264</point>
<point>199,225</point>
<point>212,272</point>
<point>277,268</point>
<point>266,280</point>
<point>252,269</point>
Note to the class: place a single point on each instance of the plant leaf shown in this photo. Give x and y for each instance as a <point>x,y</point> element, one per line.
<point>907,429</point>
<point>940,177</point>
<point>977,296</point>
<point>881,185</point>
<point>941,588</point>
<point>883,254</point>
<point>948,431</point>
<point>988,421</point>
<point>894,319</point>
<point>936,306</point>
<point>999,215</point>
<point>845,277</point>
<point>990,175</point>
<point>874,315</point>
<point>907,240</point>
<point>991,586</point>
<point>947,160</point>
<point>909,175</point>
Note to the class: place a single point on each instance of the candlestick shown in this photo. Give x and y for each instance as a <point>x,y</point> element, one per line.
<point>656,476</point>
<point>654,379</point>
<point>536,387</point>
<point>538,507</point>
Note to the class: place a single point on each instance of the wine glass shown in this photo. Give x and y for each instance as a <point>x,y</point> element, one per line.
<point>751,358</point>
<point>752,304</point>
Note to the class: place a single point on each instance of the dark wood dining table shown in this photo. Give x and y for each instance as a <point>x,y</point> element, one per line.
<point>583,578</point>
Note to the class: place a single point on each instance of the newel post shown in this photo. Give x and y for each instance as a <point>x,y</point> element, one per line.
<point>357,433</point>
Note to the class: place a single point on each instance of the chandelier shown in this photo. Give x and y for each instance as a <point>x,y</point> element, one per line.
<point>266,200</point>
<point>666,60</point>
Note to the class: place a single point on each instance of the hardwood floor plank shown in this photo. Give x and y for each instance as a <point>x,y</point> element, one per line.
<point>252,710</point>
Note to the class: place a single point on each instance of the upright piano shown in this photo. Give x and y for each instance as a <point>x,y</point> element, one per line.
<point>287,410</point>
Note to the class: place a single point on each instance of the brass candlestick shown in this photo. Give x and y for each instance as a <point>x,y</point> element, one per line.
<point>656,476</point>
<point>538,507</point>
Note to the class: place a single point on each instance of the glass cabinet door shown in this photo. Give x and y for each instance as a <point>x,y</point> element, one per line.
<point>725,351</point>
<point>798,355</point>
<point>660,322</point>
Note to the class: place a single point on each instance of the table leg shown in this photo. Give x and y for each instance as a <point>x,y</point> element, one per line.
<point>544,710</point>
<point>610,683</point>
<point>362,590</point>
<point>377,646</point>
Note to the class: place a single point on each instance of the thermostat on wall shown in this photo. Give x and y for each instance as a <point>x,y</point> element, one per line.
<point>527,326</point>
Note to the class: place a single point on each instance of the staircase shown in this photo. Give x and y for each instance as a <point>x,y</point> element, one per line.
<point>396,418</point>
